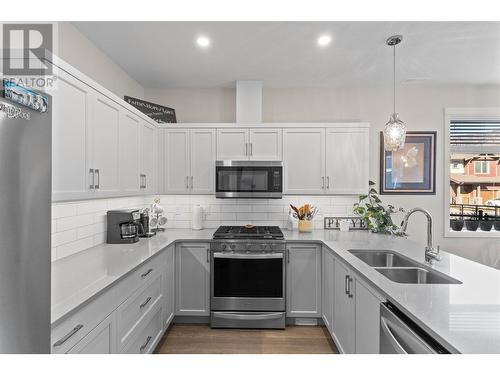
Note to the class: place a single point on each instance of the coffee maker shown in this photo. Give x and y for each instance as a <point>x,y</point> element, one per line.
<point>123,226</point>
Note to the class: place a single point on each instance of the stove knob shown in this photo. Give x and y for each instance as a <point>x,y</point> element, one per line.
<point>248,246</point>
<point>272,246</point>
<point>263,246</point>
<point>232,246</point>
<point>223,246</point>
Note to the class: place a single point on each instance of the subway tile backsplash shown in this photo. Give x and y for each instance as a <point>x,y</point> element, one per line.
<point>77,226</point>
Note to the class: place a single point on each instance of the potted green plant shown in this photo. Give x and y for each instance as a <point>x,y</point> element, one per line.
<point>378,218</point>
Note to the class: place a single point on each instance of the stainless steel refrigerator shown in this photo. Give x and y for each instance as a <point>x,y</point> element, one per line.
<point>25,219</point>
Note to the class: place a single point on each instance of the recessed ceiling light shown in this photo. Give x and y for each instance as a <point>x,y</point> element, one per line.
<point>324,40</point>
<point>203,41</point>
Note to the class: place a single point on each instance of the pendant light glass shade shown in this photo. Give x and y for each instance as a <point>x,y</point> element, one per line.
<point>394,133</point>
<point>395,129</point>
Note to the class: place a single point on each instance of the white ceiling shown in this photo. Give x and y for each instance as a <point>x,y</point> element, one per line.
<point>285,54</point>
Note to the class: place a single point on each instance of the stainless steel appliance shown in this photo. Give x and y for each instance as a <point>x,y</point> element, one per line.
<point>123,226</point>
<point>400,335</point>
<point>247,288</point>
<point>25,203</point>
<point>248,179</point>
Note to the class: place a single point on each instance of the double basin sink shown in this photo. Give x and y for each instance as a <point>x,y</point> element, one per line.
<point>400,269</point>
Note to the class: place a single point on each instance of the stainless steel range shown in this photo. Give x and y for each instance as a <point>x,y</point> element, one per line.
<point>247,287</point>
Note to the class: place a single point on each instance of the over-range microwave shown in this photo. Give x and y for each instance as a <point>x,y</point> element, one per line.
<point>248,179</point>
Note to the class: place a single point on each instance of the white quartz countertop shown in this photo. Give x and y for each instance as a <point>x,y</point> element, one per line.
<point>463,317</point>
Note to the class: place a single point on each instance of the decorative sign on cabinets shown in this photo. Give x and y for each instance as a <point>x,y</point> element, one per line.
<point>159,113</point>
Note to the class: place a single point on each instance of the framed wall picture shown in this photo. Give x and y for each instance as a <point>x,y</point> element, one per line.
<point>411,170</point>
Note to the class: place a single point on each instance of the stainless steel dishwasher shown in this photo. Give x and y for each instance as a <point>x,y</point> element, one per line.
<point>400,335</point>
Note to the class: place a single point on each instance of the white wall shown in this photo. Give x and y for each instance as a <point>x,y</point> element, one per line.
<point>80,52</point>
<point>421,107</point>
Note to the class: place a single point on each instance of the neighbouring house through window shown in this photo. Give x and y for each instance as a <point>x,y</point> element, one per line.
<point>474,183</point>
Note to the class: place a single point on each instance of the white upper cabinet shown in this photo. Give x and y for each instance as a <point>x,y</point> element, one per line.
<point>176,163</point>
<point>232,144</point>
<point>265,144</point>
<point>105,124</point>
<point>100,148</point>
<point>189,161</point>
<point>331,160</point>
<point>304,160</point>
<point>202,160</point>
<point>249,144</point>
<point>130,127</point>
<point>70,138</point>
<point>347,160</point>
<point>149,158</point>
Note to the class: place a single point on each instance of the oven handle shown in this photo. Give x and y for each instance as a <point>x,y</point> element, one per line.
<point>248,316</point>
<point>248,256</point>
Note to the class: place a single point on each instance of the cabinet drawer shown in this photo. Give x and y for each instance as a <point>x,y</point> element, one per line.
<point>137,308</point>
<point>147,338</point>
<point>140,277</point>
<point>70,331</point>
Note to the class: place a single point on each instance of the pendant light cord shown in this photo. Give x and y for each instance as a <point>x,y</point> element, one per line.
<point>394,79</point>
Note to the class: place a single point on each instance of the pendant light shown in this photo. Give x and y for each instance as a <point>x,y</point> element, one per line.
<point>395,129</point>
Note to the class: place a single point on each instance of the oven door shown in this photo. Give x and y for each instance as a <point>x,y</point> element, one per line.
<point>248,179</point>
<point>243,281</point>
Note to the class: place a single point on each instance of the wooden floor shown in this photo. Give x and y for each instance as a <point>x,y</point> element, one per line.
<point>201,339</point>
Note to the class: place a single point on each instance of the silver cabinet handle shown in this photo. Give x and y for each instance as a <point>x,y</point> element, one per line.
<point>141,183</point>
<point>323,182</point>
<point>328,182</point>
<point>144,346</point>
<point>187,182</point>
<point>191,182</point>
<point>145,181</point>
<point>208,255</point>
<point>349,284</point>
<point>143,305</point>
<point>246,149</point>
<point>68,336</point>
<point>251,149</point>
<point>288,255</point>
<point>96,186</point>
<point>91,173</point>
<point>146,273</point>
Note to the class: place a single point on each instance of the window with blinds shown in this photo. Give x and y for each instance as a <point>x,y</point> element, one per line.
<point>474,176</point>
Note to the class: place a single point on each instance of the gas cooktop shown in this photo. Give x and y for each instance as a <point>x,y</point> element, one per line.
<point>249,232</point>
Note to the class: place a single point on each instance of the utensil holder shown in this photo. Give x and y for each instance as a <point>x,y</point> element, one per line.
<point>305,226</point>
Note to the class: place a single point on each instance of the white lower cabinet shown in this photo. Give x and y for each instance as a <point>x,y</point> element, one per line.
<point>303,286</point>
<point>192,295</point>
<point>169,286</point>
<point>343,309</point>
<point>367,320</point>
<point>99,341</point>
<point>127,318</point>
<point>328,265</point>
<point>144,342</point>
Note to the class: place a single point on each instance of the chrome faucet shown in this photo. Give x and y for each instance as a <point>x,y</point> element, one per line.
<point>431,253</point>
